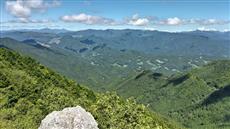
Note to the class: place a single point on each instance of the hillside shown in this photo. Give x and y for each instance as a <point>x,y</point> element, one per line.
<point>107,57</point>
<point>198,99</point>
<point>95,75</point>
<point>29,91</point>
<point>153,67</point>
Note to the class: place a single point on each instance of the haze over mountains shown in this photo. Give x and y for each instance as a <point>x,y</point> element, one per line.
<point>29,91</point>
<point>94,53</point>
<point>183,76</point>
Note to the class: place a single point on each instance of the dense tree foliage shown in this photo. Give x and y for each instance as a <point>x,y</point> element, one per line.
<point>199,98</point>
<point>29,91</point>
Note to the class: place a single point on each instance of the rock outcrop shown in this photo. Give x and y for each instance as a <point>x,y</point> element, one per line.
<point>69,118</point>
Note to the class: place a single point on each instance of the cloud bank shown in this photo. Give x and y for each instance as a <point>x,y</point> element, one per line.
<point>24,8</point>
<point>136,20</point>
<point>23,11</point>
<point>88,19</point>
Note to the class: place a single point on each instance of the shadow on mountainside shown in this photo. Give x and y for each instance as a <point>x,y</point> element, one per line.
<point>177,81</point>
<point>217,95</point>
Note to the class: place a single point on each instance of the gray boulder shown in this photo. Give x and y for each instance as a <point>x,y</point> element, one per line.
<point>69,118</point>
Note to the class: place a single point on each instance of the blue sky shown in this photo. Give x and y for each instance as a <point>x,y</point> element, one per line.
<point>164,15</point>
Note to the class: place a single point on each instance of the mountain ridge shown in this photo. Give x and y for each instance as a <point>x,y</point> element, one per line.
<point>29,91</point>
<point>194,98</point>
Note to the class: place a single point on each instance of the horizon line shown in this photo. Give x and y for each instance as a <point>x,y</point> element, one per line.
<point>31,29</point>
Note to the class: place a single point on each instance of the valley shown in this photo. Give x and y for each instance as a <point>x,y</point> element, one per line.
<point>184,80</point>
<point>102,51</point>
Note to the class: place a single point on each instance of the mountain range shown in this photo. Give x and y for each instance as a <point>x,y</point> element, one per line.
<point>29,91</point>
<point>184,76</point>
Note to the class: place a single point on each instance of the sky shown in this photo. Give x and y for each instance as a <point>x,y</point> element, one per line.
<point>163,15</point>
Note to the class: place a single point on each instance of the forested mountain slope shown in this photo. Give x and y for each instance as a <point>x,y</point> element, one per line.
<point>29,91</point>
<point>106,57</point>
<point>152,66</point>
<point>199,98</point>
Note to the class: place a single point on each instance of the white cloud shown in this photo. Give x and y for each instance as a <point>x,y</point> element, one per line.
<point>33,3</point>
<point>139,22</point>
<point>174,21</point>
<point>150,28</point>
<point>135,16</point>
<point>136,21</point>
<point>203,22</point>
<point>206,29</point>
<point>99,20</point>
<point>22,19</point>
<point>27,20</point>
<point>17,9</point>
<point>88,19</point>
<point>211,22</point>
<point>226,30</point>
<point>24,8</point>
